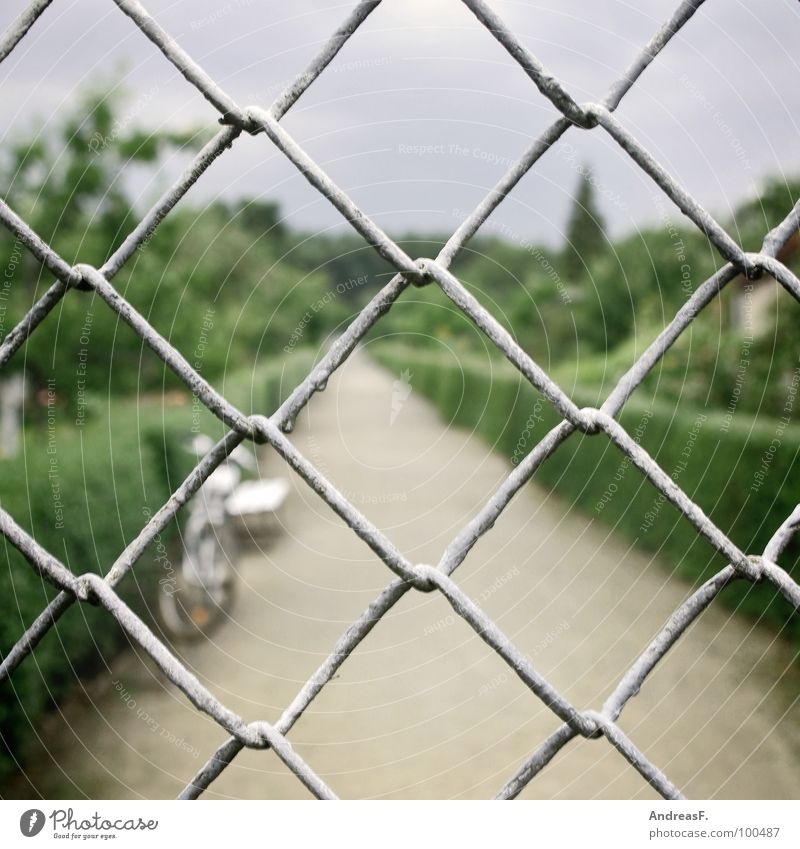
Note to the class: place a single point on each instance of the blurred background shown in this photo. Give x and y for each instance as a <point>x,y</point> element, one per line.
<point>254,274</point>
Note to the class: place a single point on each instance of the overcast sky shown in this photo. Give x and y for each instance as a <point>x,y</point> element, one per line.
<point>719,107</point>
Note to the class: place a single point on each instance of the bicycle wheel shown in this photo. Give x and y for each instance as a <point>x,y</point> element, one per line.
<point>202,592</point>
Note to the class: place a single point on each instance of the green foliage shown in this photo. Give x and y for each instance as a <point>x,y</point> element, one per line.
<point>730,471</point>
<point>263,389</point>
<point>752,220</point>
<point>83,494</point>
<point>68,184</point>
<point>224,284</point>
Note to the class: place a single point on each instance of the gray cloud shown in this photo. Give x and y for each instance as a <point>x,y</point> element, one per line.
<point>422,111</point>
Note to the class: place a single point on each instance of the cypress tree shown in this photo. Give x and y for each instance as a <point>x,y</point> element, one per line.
<point>586,239</point>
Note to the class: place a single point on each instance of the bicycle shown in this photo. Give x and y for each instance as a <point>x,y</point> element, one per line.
<point>202,592</point>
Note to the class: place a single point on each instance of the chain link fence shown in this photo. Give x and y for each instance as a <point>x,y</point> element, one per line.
<point>254,120</point>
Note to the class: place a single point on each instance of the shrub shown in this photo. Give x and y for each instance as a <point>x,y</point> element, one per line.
<point>83,494</point>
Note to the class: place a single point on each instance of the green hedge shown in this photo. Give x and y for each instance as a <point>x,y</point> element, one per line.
<point>732,468</point>
<point>263,388</point>
<point>84,492</point>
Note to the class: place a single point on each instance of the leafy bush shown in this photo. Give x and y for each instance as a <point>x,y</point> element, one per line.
<point>83,494</point>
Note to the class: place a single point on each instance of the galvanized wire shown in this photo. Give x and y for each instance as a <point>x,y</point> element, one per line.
<point>255,120</point>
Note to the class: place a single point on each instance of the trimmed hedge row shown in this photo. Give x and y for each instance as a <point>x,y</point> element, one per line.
<point>262,389</point>
<point>84,492</point>
<point>741,471</point>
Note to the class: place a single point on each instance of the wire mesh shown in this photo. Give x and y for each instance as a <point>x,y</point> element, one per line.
<point>600,422</point>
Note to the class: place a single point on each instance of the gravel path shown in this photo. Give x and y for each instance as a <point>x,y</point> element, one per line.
<point>424,708</point>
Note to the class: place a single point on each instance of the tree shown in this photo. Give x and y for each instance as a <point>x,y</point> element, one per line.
<point>586,238</point>
<point>68,184</point>
<point>219,282</point>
